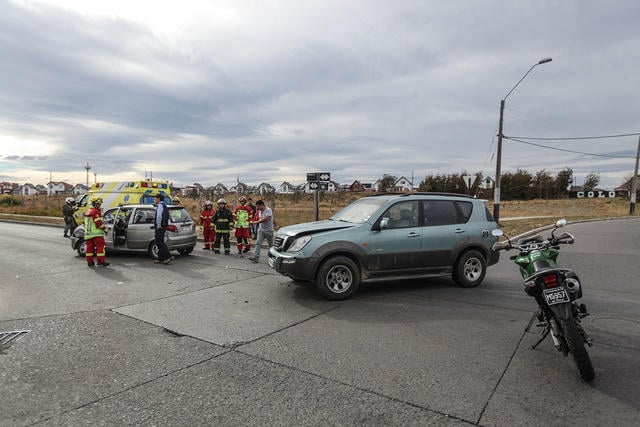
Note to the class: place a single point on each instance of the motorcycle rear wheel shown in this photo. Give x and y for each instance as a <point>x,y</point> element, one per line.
<point>576,347</point>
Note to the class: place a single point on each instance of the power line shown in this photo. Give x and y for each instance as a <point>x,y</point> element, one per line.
<point>565,150</point>
<point>571,138</point>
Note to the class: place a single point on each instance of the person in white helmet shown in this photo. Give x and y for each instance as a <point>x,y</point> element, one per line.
<point>68,210</point>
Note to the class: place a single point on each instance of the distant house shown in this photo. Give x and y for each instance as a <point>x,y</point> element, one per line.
<point>240,188</point>
<point>28,190</point>
<point>264,188</point>
<point>220,188</point>
<point>403,185</point>
<point>356,187</point>
<point>59,188</point>
<point>368,186</point>
<point>8,188</point>
<point>624,190</point>
<point>42,189</point>
<point>286,188</point>
<point>80,189</point>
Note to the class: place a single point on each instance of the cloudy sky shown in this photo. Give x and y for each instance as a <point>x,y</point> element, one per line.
<point>265,91</point>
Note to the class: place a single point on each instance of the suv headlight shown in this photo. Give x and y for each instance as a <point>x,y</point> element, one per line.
<point>300,243</point>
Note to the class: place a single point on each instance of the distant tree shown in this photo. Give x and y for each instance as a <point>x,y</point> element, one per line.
<point>562,182</point>
<point>591,181</point>
<point>386,183</point>
<point>543,184</point>
<point>516,186</point>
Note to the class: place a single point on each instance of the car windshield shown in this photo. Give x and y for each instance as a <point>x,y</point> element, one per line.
<point>359,211</point>
<point>179,215</point>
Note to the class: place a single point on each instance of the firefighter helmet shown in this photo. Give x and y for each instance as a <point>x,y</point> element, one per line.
<point>222,201</point>
<point>96,201</point>
<point>208,203</point>
<point>176,200</point>
<point>242,199</point>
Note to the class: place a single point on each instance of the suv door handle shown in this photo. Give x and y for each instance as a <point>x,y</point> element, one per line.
<point>459,230</point>
<point>412,234</point>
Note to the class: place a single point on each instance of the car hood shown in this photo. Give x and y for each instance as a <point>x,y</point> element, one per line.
<point>314,227</point>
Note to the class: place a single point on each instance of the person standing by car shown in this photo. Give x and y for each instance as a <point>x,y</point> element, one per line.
<point>94,232</point>
<point>208,227</point>
<point>242,215</point>
<point>68,209</point>
<point>160,224</point>
<point>265,229</point>
<point>223,220</point>
<point>254,226</point>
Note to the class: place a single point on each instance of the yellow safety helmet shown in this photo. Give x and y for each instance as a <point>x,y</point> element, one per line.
<point>176,200</point>
<point>96,200</point>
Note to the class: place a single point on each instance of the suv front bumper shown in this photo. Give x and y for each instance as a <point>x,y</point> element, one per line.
<point>291,266</point>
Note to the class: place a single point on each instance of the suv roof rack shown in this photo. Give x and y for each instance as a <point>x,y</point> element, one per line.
<point>425,193</point>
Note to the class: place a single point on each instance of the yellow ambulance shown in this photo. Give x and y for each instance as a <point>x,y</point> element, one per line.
<point>119,193</point>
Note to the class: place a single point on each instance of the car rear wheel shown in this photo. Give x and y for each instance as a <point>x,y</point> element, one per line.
<point>338,278</point>
<point>185,251</point>
<point>470,269</point>
<point>154,251</point>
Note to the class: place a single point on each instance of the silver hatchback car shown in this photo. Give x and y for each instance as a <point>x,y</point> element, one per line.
<point>130,228</point>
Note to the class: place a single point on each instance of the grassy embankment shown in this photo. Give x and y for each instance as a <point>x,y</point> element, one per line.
<point>289,209</point>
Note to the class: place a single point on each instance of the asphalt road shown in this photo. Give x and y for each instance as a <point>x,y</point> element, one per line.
<point>221,341</point>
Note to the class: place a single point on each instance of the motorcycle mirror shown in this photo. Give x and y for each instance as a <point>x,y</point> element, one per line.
<point>497,233</point>
<point>561,223</point>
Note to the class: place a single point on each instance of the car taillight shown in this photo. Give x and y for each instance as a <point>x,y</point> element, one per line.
<point>550,281</point>
<point>172,227</point>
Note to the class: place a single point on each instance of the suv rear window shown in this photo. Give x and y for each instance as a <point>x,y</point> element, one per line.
<point>446,212</point>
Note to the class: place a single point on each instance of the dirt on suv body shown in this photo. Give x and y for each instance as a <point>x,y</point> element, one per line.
<point>389,237</point>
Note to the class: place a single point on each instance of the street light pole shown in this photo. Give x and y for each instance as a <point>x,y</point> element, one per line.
<point>496,192</point>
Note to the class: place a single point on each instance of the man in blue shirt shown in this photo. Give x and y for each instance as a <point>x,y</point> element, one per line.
<point>160,224</point>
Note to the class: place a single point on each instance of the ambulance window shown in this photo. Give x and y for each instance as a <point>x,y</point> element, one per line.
<point>147,199</point>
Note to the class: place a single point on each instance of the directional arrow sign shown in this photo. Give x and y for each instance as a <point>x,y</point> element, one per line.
<point>313,185</point>
<point>324,176</point>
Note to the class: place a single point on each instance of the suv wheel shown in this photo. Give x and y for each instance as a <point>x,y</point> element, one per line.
<point>470,269</point>
<point>338,278</point>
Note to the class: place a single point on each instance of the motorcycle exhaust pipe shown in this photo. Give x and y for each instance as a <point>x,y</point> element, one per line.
<point>572,285</point>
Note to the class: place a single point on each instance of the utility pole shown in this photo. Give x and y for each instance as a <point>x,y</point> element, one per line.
<point>87,167</point>
<point>634,183</point>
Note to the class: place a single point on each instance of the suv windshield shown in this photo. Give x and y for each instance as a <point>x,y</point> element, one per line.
<point>359,211</point>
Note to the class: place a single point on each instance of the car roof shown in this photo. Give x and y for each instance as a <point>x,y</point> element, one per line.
<point>425,195</point>
<point>147,206</point>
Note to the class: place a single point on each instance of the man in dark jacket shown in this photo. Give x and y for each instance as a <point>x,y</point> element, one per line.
<point>68,210</point>
<point>160,224</point>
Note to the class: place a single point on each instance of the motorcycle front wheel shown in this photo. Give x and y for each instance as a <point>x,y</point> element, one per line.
<point>576,347</point>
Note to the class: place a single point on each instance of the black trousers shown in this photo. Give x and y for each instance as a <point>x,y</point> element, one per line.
<point>163,251</point>
<point>225,238</point>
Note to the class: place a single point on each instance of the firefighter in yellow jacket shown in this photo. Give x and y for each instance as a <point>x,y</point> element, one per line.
<point>94,232</point>
<point>242,216</point>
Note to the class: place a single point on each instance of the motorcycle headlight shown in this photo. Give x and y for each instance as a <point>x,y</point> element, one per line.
<point>299,243</point>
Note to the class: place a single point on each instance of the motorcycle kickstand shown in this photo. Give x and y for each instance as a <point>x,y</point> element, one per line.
<point>544,335</point>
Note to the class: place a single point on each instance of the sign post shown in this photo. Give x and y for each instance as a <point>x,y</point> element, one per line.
<point>318,181</point>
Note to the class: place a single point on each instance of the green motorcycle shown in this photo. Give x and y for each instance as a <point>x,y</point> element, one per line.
<point>556,290</point>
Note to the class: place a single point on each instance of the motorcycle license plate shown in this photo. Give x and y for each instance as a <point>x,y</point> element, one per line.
<point>556,296</point>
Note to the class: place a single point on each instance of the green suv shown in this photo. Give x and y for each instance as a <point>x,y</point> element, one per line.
<point>389,236</point>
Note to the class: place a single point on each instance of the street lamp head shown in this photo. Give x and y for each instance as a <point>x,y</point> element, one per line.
<point>544,61</point>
